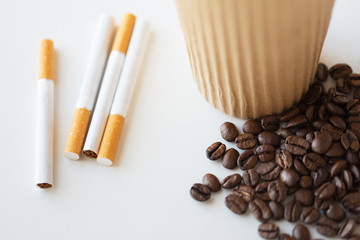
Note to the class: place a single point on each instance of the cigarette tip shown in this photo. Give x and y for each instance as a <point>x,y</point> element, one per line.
<point>44,185</point>
<point>71,155</point>
<point>104,161</point>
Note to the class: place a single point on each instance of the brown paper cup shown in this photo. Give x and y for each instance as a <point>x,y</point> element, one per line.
<point>254,57</point>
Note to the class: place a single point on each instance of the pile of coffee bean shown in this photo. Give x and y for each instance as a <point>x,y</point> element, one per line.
<point>302,165</point>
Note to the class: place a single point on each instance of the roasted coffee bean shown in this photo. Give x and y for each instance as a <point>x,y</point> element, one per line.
<point>284,133</point>
<point>352,118</point>
<point>340,187</point>
<point>296,145</point>
<point>290,114</point>
<point>354,79</point>
<point>312,161</point>
<point>351,202</point>
<point>291,190</point>
<point>304,196</point>
<point>325,191</point>
<point>310,137</point>
<point>245,192</point>
<point>260,210</point>
<point>230,157</point>
<point>321,143</point>
<point>296,122</point>
<point>342,85</point>
<point>353,107</point>
<point>251,177</point>
<point>314,93</point>
<point>322,72</point>
<point>347,228</point>
<point>303,131</point>
<point>300,168</point>
<point>269,171</point>
<point>236,204</point>
<point>310,215</point>
<point>335,109</point>
<point>265,152</point>
<point>306,182</point>
<point>355,173</point>
<point>354,237</point>
<point>285,236</point>
<point>333,131</point>
<point>200,192</point>
<point>228,131</point>
<point>271,138</point>
<point>338,167</point>
<point>246,141</point>
<point>337,97</point>
<point>335,212</point>
<point>352,157</point>
<point>284,159</point>
<point>327,227</point>
<point>353,215</point>
<point>292,211</point>
<point>355,128</point>
<point>302,106</point>
<point>323,113</point>
<point>268,230</point>
<point>318,124</point>
<point>300,232</point>
<point>356,94</point>
<point>332,160</point>
<point>311,113</point>
<point>340,70</point>
<point>338,122</point>
<point>322,204</point>
<point>247,160</point>
<point>231,181</point>
<point>289,177</point>
<point>261,191</point>
<point>277,191</point>
<point>320,176</point>
<point>215,151</point>
<point>212,182</point>
<point>270,123</point>
<point>336,150</point>
<point>277,210</point>
<point>282,146</point>
<point>253,127</point>
<point>346,176</point>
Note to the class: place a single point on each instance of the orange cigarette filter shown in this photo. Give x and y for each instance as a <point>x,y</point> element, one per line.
<point>123,34</point>
<point>46,60</point>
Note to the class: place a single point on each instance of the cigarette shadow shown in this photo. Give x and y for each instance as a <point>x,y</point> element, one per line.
<point>133,102</point>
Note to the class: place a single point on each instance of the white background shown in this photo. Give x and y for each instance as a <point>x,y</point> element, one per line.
<point>161,152</point>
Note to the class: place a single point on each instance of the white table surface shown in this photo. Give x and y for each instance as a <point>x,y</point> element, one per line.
<point>161,152</point>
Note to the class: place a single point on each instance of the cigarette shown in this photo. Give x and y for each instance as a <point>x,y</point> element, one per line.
<point>108,86</point>
<point>123,93</point>
<point>90,86</point>
<point>45,116</point>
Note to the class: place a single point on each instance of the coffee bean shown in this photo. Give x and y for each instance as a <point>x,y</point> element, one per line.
<point>285,236</point>
<point>306,182</point>
<point>269,171</point>
<point>251,177</point>
<point>246,141</point>
<point>325,191</point>
<point>323,113</point>
<point>300,232</point>
<point>338,167</point>
<point>351,202</point>
<point>231,181</point>
<point>340,188</point>
<point>292,211</point>
<point>335,212</point>
<point>290,114</point>
<point>355,173</point>
<point>352,157</point>
<point>303,131</point>
<point>230,157</point>
<point>268,230</point>
<point>277,210</point>
<point>282,146</point>
<point>336,150</point>
<point>270,123</point>
<point>200,192</point>
<point>333,131</point>
<point>304,196</point>
<point>338,122</point>
<point>300,168</point>
<point>310,215</point>
<point>284,159</point>
<point>347,228</point>
<point>354,237</point>
<point>352,118</point>
<point>292,190</point>
<point>289,177</point>
<point>342,85</point>
<point>327,227</point>
<point>317,125</point>
<point>354,79</point>
<point>245,192</point>
<point>261,191</point>
<point>352,215</point>
<point>277,191</point>
<point>265,152</point>
<point>260,210</point>
<point>271,138</point>
<point>335,109</point>
<point>355,128</point>
<point>356,94</point>
<point>340,70</point>
<point>296,145</point>
<point>215,151</point>
<point>337,97</point>
<point>322,204</point>
<point>236,204</point>
<point>320,176</point>
<point>228,131</point>
<point>284,133</point>
<point>346,176</point>
<point>322,72</point>
<point>353,107</point>
<point>253,127</point>
<point>311,113</point>
<point>312,161</point>
<point>212,182</point>
<point>296,122</point>
<point>247,160</point>
<point>314,93</point>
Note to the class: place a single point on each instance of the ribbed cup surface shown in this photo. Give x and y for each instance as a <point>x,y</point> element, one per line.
<point>254,57</point>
